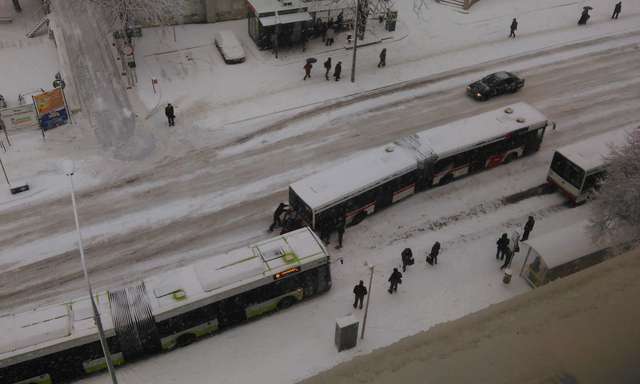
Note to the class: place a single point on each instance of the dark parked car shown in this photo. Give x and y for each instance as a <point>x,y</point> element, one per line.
<point>495,84</point>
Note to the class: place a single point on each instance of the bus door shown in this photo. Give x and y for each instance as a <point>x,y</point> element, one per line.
<point>384,195</point>
<point>533,140</point>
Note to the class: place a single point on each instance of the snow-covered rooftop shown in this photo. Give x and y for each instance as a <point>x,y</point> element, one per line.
<point>445,139</point>
<point>360,172</point>
<point>25,333</point>
<point>565,244</point>
<point>219,276</point>
<point>590,153</point>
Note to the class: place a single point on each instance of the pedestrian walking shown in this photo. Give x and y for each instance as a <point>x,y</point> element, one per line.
<point>327,67</point>
<point>507,259</point>
<point>360,291</point>
<point>503,244</point>
<point>277,214</point>
<point>433,256</point>
<point>303,38</point>
<point>514,26</point>
<point>307,70</point>
<point>407,258</point>
<point>511,249</point>
<point>337,70</point>
<point>395,279</point>
<point>171,116</point>
<point>340,228</point>
<point>528,227</point>
<point>616,10</point>
<point>383,58</point>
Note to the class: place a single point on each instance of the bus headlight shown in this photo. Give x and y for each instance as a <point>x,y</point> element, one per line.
<point>479,94</point>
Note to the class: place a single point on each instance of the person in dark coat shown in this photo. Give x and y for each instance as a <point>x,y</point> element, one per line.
<point>360,291</point>
<point>383,58</point>
<point>407,258</point>
<point>584,16</point>
<point>395,279</point>
<point>435,250</point>
<point>277,222</point>
<point>507,259</point>
<point>337,70</point>
<point>307,70</point>
<point>503,243</point>
<point>340,229</point>
<point>171,116</point>
<point>528,227</point>
<point>327,67</point>
<point>616,10</point>
<point>514,26</point>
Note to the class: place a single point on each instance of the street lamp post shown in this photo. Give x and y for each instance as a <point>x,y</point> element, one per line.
<point>96,315</point>
<point>355,46</point>
<point>366,308</point>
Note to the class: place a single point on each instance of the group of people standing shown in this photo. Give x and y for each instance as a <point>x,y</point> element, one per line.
<point>507,247</point>
<point>407,259</point>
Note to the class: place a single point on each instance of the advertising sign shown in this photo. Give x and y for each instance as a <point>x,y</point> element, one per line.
<point>23,116</point>
<point>51,108</point>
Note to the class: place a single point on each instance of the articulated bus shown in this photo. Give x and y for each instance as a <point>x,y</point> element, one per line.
<point>577,168</point>
<point>381,176</point>
<point>57,343</point>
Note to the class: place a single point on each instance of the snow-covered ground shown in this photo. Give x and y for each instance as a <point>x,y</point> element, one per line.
<point>244,132</point>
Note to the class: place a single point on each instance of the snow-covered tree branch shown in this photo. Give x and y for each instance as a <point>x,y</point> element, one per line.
<point>617,203</point>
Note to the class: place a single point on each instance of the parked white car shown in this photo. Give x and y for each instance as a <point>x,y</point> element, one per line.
<point>229,47</point>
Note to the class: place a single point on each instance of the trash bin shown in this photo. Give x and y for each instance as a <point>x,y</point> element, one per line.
<point>507,276</point>
<point>346,332</point>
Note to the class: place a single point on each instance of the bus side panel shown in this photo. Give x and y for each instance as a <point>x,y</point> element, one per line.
<point>61,366</point>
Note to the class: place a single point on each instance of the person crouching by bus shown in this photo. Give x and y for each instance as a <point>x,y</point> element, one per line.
<point>277,220</point>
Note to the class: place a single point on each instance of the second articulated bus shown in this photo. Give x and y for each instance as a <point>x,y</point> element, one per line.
<point>381,176</point>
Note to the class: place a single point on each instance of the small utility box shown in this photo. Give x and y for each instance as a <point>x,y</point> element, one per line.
<point>346,332</point>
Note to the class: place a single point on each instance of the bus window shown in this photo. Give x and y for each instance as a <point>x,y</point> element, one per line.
<point>567,170</point>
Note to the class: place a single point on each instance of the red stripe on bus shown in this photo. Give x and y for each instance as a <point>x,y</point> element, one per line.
<point>355,212</point>
<point>404,189</point>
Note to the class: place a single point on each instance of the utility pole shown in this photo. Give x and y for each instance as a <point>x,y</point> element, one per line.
<point>353,61</point>
<point>366,308</point>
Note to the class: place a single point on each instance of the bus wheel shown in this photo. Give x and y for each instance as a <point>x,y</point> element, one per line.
<point>446,180</point>
<point>286,302</point>
<point>510,158</point>
<point>185,339</point>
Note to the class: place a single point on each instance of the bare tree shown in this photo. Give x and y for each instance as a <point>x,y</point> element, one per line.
<point>617,203</point>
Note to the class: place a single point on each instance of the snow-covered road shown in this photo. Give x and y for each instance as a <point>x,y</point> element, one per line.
<point>218,197</point>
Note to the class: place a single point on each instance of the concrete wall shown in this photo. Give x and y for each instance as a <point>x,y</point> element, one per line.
<point>220,10</point>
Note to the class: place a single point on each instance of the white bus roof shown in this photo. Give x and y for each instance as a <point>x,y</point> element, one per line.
<point>564,245</point>
<point>374,166</point>
<point>590,153</point>
<point>228,274</point>
<point>41,331</point>
<point>460,135</point>
<point>359,172</point>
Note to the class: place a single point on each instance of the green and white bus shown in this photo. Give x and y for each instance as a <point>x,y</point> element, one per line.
<point>57,343</point>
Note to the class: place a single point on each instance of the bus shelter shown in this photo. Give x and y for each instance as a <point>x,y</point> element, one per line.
<point>277,23</point>
<point>561,253</point>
